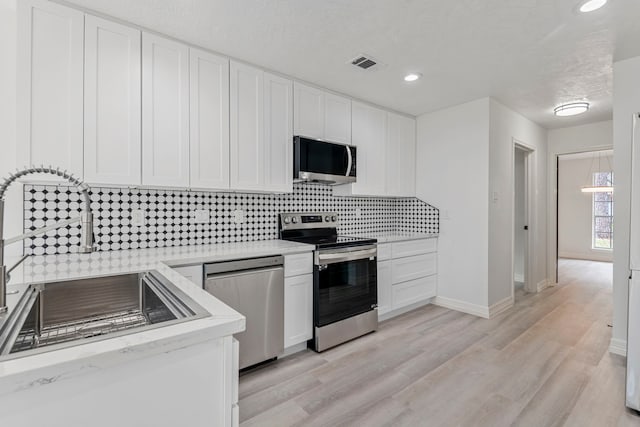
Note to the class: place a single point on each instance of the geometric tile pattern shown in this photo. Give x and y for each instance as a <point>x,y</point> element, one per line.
<point>170,221</point>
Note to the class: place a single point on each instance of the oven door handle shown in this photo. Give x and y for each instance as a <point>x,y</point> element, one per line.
<point>336,257</point>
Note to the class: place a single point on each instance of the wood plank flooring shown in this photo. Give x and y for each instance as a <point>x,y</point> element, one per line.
<point>544,362</point>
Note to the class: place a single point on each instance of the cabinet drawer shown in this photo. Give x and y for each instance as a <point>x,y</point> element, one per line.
<point>413,291</point>
<point>384,251</point>
<point>414,247</point>
<point>413,267</point>
<point>295,265</point>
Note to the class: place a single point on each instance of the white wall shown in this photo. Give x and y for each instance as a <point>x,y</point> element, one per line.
<point>575,208</point>
<point>453,175</point>
<point>13,214</point>
<point>626,102</point>
<point>507,127</point>
<point>519,216</point>
<point>574,139</point>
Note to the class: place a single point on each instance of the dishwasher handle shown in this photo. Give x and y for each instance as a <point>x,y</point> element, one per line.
<point>216,276</point>
<point>243,264</point>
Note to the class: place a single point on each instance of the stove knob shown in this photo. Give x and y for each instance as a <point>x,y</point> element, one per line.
<point>294,219</point>
<point>327,218</point>
<point>334,218</point>
<point>287,220</point>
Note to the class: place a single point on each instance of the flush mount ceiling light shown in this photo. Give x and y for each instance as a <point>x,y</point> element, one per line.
<point>571,109</point>
<point>412,77</point>
<point>591,5</point>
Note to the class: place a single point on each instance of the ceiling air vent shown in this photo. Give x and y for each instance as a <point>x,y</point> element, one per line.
<point>364,61</point>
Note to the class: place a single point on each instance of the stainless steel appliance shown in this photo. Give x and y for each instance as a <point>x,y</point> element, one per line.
<point>325,162</point>
<point>255,288</point>
<point>345,277</point>
<point>633,330</point>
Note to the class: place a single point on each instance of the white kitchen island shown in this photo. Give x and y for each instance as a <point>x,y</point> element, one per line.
<point>181,374</point>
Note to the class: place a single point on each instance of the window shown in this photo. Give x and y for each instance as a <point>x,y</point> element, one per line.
<point>603,212</point>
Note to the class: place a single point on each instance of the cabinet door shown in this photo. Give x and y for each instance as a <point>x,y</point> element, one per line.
<point>384,287</point>
<point>298,309</point>
<point>308,117</point>
<point>369,134</point>
<point>112,141</point>
<point>50,76</point>
<point>247,127</point>
<point>337,118</point>
<point>401,150</point>
<point>209,120</point>
<point>165,112</point>
<point>278,126</point>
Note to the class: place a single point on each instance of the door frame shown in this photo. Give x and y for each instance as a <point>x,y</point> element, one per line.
<point>553,204</point>
<point>529,166</point>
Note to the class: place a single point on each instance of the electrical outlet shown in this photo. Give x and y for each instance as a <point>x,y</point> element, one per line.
<point>137,218</point>
<point>358,213</point>
<point>201,216</point>
<point>238,216</point>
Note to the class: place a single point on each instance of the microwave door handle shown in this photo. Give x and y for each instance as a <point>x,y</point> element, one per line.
<point>349,160</point>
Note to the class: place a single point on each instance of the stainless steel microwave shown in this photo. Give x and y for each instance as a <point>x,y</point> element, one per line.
<point>324,162</point>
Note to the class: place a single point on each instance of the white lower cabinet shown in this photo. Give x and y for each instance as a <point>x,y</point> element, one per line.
<point>298,298</point>
<point>384,287</point>
<point>413,291</point>
<point>298,309</point>
<point>407,275</point>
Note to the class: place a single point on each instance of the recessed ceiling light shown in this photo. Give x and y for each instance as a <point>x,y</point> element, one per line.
<point>591,5</point>
<point>412,77</point>
<point>571,109</point>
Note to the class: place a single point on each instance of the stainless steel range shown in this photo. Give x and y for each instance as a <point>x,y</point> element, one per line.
<point>345,278</point>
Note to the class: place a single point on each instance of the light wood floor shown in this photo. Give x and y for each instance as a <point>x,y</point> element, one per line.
<point>542,363</point>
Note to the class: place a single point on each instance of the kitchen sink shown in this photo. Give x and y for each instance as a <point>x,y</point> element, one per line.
<point>55,315</point>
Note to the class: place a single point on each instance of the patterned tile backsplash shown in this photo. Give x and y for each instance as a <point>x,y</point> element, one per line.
<point>170,221</point>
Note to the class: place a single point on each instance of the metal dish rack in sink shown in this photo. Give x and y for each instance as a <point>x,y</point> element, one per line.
<point>58,314</point>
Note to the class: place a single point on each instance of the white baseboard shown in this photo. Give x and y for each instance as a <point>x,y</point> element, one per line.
<point>543,284</point>
<point>618,346</point>
<point>596,255</point>
<point>397,312</point>
<point>463,306</point>
<point>500,306</point>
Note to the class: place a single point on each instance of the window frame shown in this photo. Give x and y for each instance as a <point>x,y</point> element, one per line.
<point>595,217</point>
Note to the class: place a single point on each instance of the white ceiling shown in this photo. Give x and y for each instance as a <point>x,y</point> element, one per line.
<point>528,54</point>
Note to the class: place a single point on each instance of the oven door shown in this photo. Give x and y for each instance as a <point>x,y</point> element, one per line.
<point>345,283</point>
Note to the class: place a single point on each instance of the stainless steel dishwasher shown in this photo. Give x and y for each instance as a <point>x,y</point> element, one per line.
<point>254,288</point>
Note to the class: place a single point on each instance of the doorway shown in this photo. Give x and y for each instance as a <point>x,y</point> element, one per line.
<point>584,226</point>
<point>521,204</point>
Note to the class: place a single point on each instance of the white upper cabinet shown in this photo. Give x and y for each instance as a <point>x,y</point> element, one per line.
<point>337,119</point>
<point>278,126</point>
<point>386,153</point>
<point>308,117</point>
<point>261,130</point>
<point>247,127</point>
<point>165,112</point>
<point>369,126</point>
<point>50,76</point>
<point>321,115</point>
<point>401,148</point>
<point>112,119</point>
<point>209,120</point>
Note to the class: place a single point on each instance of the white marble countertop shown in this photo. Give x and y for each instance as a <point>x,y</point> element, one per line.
<point>397,236</point>
<point>222,320</point>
